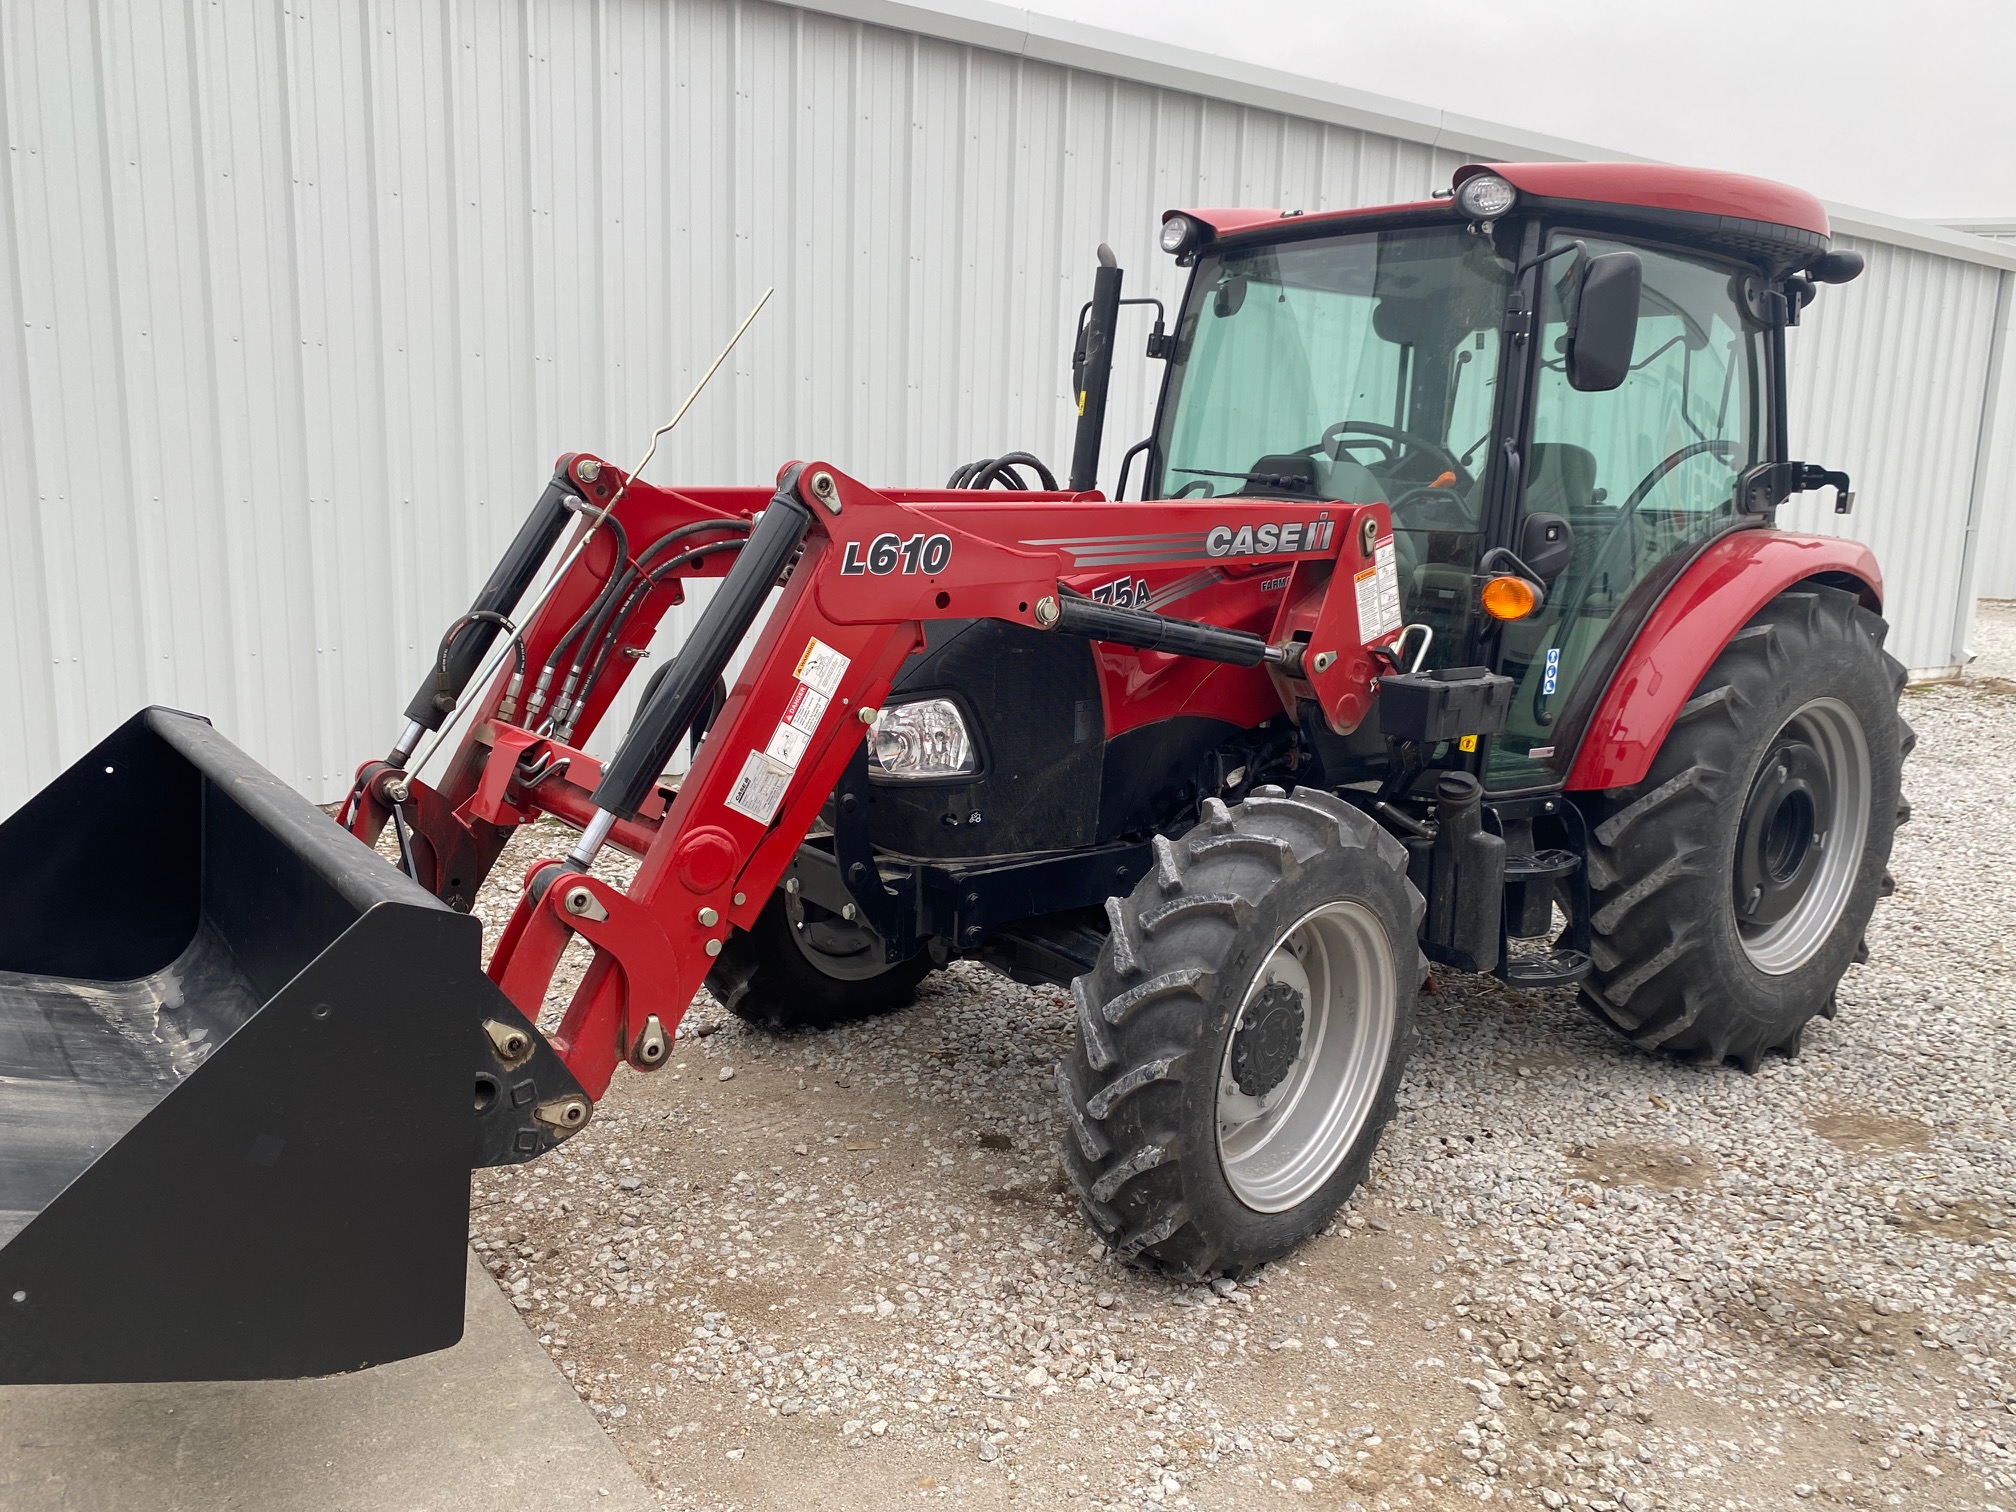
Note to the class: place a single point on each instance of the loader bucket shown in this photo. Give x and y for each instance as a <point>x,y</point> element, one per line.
<point>235,1060</point>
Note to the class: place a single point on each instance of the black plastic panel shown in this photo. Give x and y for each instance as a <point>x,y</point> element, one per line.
<point>1035,699</point>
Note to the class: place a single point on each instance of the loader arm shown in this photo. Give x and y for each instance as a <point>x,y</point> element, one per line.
<point>862,572</point>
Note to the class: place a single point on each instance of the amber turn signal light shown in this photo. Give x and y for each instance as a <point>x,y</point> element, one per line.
<point>1510,598</point>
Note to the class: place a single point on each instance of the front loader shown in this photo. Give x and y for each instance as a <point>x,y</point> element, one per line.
<point>1450,627</point>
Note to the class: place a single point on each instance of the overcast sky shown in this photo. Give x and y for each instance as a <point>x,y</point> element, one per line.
<point>1905,107</point>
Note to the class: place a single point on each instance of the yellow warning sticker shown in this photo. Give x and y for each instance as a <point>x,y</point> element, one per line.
<point>821,668</point>
<point>1467,743</point>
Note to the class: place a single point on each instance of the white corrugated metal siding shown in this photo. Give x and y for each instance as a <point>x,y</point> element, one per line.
<point>300,301</point>
<point>1996,548</point>
<point>1888,378</point>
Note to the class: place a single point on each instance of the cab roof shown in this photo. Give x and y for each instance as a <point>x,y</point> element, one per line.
<point>1747,215</point>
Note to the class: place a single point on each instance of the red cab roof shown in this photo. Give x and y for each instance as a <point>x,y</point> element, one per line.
<point>1640,186</point>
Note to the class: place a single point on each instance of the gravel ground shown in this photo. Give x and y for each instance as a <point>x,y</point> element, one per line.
<point>841,1270</point>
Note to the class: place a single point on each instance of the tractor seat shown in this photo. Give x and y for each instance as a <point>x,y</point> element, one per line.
<point>1344,480</point>
<point>1286,465</point>
<point>1562,479</point>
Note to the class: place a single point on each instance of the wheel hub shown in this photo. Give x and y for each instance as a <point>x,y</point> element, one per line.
<point>1269,1040</point>
<point>837,948</point>
<point>1783,835</point>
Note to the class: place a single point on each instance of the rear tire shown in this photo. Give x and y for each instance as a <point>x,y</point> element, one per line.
<point>1681,962</point>
<point>776,975</point>
<point>1241,1040</point>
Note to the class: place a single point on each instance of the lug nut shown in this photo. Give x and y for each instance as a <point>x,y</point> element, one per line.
<point>709,918</point>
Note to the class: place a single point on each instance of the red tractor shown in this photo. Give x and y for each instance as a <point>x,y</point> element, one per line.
<point>1449,627</point>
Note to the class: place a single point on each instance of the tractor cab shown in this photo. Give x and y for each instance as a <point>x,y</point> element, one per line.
<point>1564,373</point>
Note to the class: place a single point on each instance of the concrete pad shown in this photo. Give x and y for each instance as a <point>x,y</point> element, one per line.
<point>489,1424</point>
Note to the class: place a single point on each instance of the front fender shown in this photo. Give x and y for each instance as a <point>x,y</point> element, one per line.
<point>1713,598</point>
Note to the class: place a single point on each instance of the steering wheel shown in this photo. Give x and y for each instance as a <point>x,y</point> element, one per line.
<point>1721,450</point>
<point>1195,486</point>
<point>1390,437</point>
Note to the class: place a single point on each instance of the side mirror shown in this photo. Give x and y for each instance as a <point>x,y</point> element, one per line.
<point>1603,323</point>
<point>1546,545</point>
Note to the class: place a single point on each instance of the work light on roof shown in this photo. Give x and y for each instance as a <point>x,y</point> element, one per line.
<point>1485,196</point>
<point>1179,232</point>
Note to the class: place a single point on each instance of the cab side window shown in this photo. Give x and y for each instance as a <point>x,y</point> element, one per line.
<point>1643,473</point>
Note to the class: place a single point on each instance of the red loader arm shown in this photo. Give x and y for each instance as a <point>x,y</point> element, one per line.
<point>862,571</point>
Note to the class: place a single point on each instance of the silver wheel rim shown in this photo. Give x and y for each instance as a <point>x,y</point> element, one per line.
<point>1278,1149</point>
<point>1830,728</point>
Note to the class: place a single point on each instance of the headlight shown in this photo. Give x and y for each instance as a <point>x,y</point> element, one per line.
<point>1178,232</point>
<point>1485,196</point>
<point>921,740</point>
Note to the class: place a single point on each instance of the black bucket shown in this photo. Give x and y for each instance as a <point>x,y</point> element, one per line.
<point>236,1057</point>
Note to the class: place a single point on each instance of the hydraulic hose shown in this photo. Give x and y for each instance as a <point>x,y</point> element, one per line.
<point>1004,470</point>
<point>601,624</point>
<point>566,644</point>
<point>643,586</point>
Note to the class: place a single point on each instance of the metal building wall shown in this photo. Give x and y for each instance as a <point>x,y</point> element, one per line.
<point>1996,550</point>
<point>1888,380</point>
<point>300,300</point>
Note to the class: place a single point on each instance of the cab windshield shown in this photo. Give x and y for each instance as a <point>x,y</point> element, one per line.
<point>1359,368</point>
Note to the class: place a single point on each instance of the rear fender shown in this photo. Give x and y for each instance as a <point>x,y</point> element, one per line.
<point>1714,597</point>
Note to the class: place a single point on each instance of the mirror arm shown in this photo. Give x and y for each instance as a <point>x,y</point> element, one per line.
<point>1500,558</point>
<point>1762,488</point>
<point>1580,250</point>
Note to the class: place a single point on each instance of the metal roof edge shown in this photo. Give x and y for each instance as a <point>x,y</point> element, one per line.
<point>1981,225</point>
<point>1920,236</point>
<point>1043,38</point>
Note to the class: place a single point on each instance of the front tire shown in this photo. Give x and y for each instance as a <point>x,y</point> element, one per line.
<point>1242,1037</point>
<point>1731,888</point>
<point>796,968</point>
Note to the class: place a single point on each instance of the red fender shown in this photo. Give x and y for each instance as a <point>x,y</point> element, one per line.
<point>1708,603</point>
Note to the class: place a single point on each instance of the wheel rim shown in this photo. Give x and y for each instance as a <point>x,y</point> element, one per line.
<point>846,951</point>
<point>1799,843</point>
<point>1303,1103</point>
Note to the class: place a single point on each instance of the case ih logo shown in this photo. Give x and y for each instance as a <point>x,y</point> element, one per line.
<point>1243,539</point>
<point>1270,538</point>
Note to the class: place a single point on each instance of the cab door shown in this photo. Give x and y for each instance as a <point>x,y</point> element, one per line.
<point>1644,474</point>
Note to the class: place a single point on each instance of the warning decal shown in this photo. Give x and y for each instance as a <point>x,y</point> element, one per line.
<point>806,708</point>
<point>821,668</point>
<point>794,732</point>
<point>1389,590</point>
<point>1367,583</point>
<point>787,745</point>
<point>760,788</point>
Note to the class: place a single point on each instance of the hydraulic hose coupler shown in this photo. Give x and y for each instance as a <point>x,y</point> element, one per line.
<point>507,707</point>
